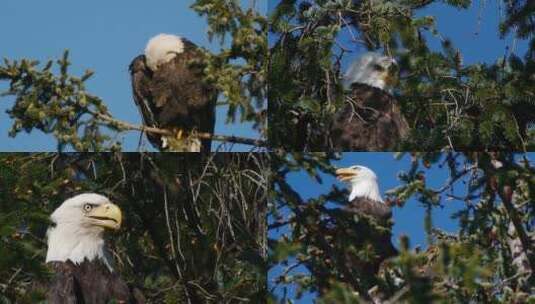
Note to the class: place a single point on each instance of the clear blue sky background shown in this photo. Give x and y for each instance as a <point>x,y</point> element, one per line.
<point>103,36</point>
<point>408,220</point>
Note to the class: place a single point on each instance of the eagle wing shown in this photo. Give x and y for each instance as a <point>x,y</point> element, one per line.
<point>371,120</point>
<point>63,288</point>
<point>89,282</point>
<point>179,89</point>
<point>141,78</point>
<point>380,238</point>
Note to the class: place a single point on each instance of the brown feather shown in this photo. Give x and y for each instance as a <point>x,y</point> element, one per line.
<point>369,121</point>
<point>380,238</point>
<point>378,210</point>
<point>175,95</point>
<point>88,282</point>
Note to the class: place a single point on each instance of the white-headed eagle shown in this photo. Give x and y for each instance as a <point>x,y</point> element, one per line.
<point>370,119</point>
<point>77,253</point>
<point>365,201</point>
<point>170,92</point>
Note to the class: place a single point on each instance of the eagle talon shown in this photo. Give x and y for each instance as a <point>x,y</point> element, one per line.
<point>179,134</point>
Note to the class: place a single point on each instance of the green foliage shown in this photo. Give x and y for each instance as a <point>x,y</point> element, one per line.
<point>519,19</point>
<point>329,252</point>
<point>194,225</point>
<point>239,70</point>
<point>57,105</point>
<point>446,103</point>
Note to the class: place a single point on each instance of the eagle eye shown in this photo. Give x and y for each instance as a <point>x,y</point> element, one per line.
<point>88,207</point>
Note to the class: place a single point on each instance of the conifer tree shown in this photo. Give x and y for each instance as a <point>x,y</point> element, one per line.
<point>447,102</point>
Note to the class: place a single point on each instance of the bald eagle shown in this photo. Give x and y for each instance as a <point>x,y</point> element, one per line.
<point>370,119</point>
<point>373,244</point>
<point>77,254</point>
<point>365,200</point>
<point>170,92</point>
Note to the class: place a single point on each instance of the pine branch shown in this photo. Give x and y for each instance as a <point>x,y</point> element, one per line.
<point>202,135</point>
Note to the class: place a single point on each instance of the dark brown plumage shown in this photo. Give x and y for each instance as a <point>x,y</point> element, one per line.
<point>372,214</point>
<point>88,283</point>
<point>377,210</point>
<point>369,121</point>
<point>174,96</point>
<point>382,215</point>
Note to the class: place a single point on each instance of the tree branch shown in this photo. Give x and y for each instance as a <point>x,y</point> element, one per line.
<point>506,195</point>
<point>202,135</point>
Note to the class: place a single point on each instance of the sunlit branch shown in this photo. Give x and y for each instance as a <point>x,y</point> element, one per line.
<point>203,135</point>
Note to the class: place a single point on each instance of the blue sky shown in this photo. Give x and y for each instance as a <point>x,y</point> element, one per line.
<point>103,36</point>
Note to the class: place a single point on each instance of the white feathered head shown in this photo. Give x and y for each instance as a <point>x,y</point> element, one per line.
<point>79,224</point>
<point>362,182</point>
<point>161,49</point>
<point>373,69</point>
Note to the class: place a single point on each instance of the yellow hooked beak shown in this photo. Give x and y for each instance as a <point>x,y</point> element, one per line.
<point>106,216</point>
<point>346,174</point>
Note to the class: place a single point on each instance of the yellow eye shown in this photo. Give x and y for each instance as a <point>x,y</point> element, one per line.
<point>87,207</point>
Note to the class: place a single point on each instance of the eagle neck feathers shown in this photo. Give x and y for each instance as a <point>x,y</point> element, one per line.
<point>365,188</point>
<point>69,243</point>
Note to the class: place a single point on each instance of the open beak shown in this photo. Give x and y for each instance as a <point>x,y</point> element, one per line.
<point>106,216</point>
<point>346,174</point>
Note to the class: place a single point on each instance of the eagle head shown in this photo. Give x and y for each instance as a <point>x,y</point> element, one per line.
<point>79,224</point>
<point>362,182</point>
<point>372,69</point>
<point>161,49</point>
